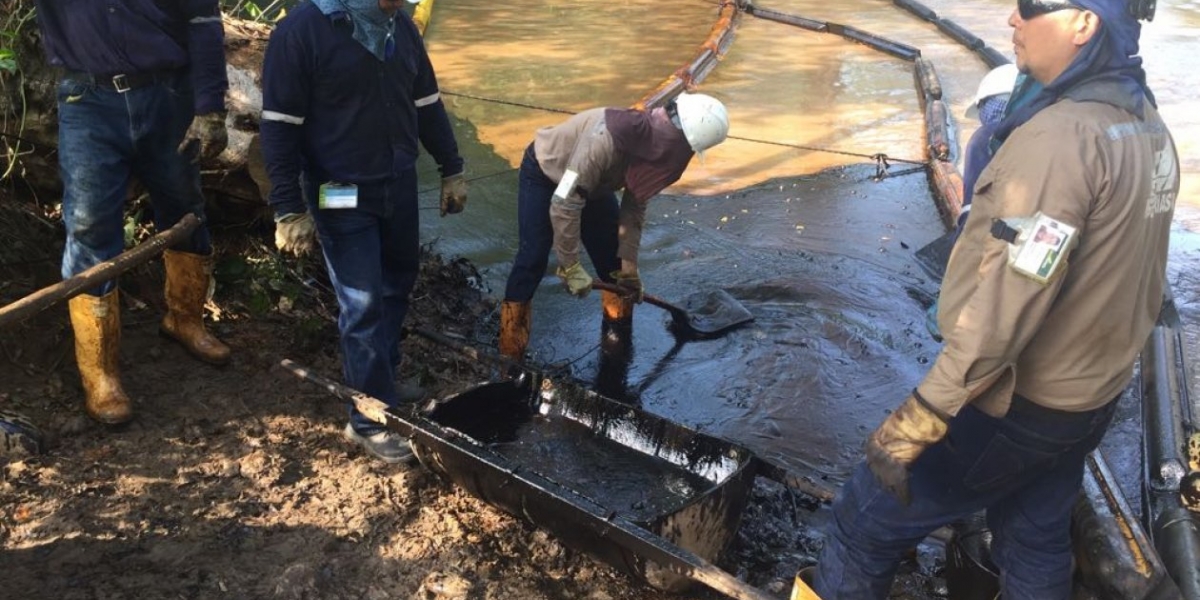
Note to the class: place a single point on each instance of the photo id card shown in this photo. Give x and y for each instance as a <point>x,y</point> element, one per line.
<point>337,195</point>
<point>1044,248</point>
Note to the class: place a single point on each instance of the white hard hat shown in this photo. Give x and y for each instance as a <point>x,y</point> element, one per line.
<point>703,119</point>
<point>998,81</point>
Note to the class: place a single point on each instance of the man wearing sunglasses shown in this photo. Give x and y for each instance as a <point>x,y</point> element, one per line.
<point>348,91</point>
<point>1040,339</point>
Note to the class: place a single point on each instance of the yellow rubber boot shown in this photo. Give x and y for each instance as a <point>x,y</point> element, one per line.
<point>421,15</point>
<point>515,322</point>
<point>617,308</point>
<point>186,290</point>
<point>97,325</point>
<point>802,586</point>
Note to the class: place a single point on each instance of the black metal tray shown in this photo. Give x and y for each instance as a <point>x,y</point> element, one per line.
<point>557,449</point>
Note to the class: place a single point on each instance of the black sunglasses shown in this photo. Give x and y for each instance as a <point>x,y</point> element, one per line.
<point>1029,9</point>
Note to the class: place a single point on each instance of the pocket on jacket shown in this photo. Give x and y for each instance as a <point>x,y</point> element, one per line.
<point>1004,462</point>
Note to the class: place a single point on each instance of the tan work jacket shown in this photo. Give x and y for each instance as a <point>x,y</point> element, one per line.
<point>1069,344</point>
<point>582,144</point>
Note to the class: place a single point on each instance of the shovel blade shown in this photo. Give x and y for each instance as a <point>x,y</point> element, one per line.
<point>933,256</point>
<point>714,311</point>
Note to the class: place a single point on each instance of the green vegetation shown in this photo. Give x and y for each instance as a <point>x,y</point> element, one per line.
<point>261,11</point>
<point>18,17</point>
<point>18,13</point>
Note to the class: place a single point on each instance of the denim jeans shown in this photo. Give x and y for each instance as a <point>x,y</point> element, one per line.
<point>104,139</point>
<point>373,261</point>
<point>598,231</point>
<point>1025,469</point>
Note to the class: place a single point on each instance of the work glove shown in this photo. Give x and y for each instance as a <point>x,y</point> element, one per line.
<point>454,194</point>
<point>205,138</point>
<point>295,233</point>
<point>897,443</point>
<point>631,283</point>
<point>578,282</point>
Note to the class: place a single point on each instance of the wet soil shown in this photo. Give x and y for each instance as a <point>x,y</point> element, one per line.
<point>235,482</point>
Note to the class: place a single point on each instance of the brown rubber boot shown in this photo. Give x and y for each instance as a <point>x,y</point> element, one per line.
<point>97,325</point>
<point>617,308</point>
<point>514,329</point>
<point>186,290</point>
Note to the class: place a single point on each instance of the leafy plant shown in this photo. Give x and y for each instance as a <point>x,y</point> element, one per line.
<point>257,11</point>
<point>18,15</point>
<point>8,61</point>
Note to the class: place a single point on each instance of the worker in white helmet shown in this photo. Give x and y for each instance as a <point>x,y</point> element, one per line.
<point>989,105</point>
<point>567,197</point>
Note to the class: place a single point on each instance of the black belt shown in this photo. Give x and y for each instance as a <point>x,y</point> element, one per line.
<point>123,82</point>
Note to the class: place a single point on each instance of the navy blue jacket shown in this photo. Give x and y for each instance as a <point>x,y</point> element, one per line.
<point>112,37</point>
<point>334,111</point>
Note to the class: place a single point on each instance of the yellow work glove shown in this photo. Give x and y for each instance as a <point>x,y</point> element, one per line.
<point>897,443</point>
<point>631,283</point>
<point>454,194</point>
<point>295,233</point>
<point>577,280</point>
<point>205,138</point>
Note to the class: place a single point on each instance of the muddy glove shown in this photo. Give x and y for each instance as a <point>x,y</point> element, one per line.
<point>895,446</point>
<point>577,279</point>
<point>295,233</point>
<point>454,194</point>
<point>631,283</point>
<point>205,138</point>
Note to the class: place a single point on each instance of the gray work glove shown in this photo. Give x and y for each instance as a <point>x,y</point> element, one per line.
<point>897,443</point>
<point>631,282</point>
<point>577,279</point>
<point>454,194</point>
<point>295,233</point>
<point>205,138</point>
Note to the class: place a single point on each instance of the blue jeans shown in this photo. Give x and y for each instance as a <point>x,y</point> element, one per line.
<point>104,139</point>
<point>598,231</point>
<point>1025,469</point>
<point>373,261</point>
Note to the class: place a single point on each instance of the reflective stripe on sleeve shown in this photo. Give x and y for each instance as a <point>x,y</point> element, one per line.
<point>270,115</point>
<point>427,100</point>
<point>197,20</point>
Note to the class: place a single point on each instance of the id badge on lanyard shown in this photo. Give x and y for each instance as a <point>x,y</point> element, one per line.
<point>1038,245</point>
<point>337,195</point>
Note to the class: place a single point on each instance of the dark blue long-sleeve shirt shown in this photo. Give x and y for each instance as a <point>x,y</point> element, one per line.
<point>332,109</point>
<point>111,37</point>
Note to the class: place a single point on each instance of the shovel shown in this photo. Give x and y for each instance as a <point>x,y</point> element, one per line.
<point>933,256</point>
<point>709,314</point>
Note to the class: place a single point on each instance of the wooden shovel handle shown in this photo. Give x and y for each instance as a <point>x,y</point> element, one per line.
<point>652,299</point>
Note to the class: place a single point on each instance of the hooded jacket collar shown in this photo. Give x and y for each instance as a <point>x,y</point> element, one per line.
<point>372,27</point>
<point>1108,63</point>
<point>658,151</point>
